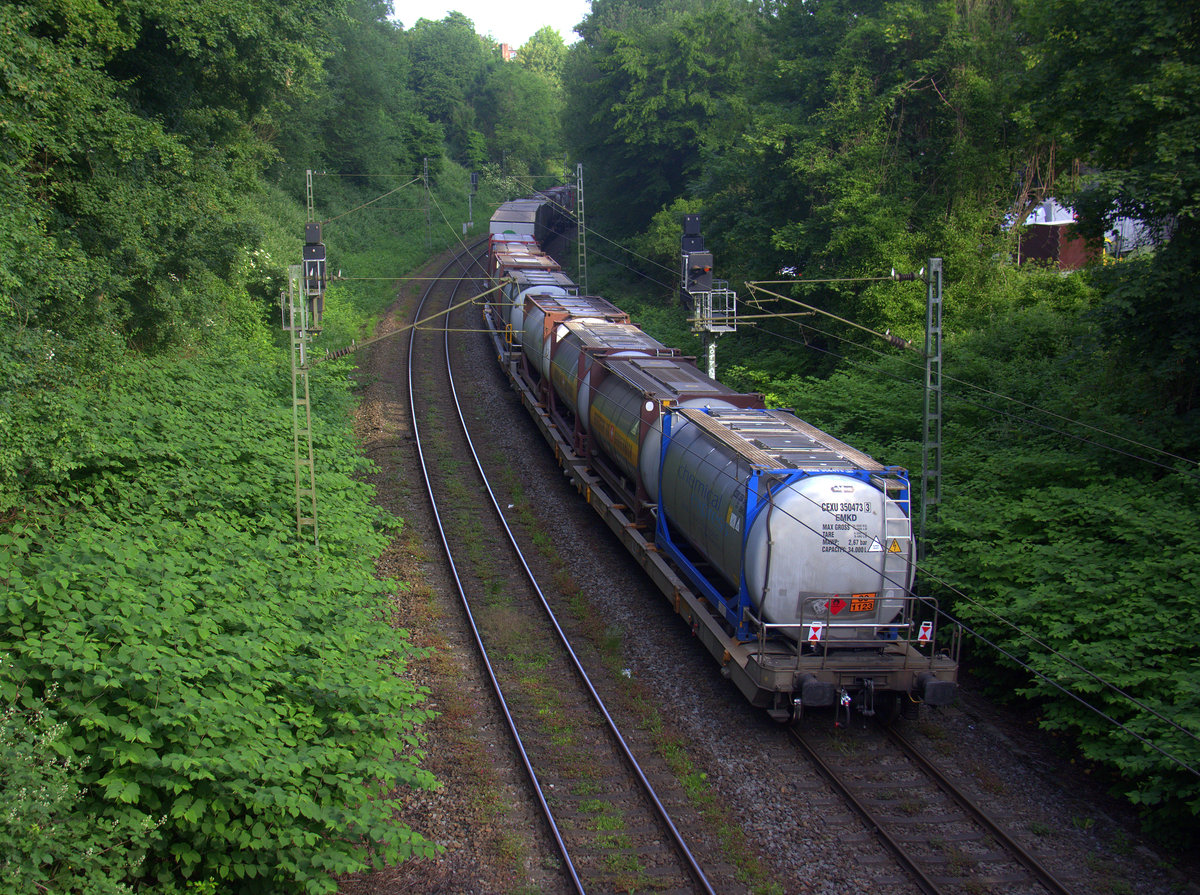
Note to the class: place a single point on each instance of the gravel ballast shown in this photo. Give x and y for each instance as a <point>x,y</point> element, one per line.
<point>482,814</point>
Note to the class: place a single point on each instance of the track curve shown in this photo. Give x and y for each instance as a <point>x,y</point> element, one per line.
<point>605,859</point>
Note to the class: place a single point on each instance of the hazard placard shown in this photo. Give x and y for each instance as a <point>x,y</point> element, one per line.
<point>862,603</point>
<point>894,547</point>
<point>815,629</point>
<point>925,634</point>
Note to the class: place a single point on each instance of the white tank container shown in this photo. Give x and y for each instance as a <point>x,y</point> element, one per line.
<point>516,315</point>
<point>831,523</point>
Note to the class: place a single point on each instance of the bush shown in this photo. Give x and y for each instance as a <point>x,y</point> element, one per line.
<point>210,669</point>
<point>46,843</point>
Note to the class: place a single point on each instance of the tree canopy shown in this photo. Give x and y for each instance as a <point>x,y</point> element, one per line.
<point>545,54</point>
<point>151,159</point>
<point>117,126</point>
<point>1117,85</point>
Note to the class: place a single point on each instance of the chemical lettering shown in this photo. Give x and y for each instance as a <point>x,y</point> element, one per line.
<point>854,539</point>
<point>703,498</point>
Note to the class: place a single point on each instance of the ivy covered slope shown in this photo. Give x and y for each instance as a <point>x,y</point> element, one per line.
<point>190,698</point>
<point>214,678</point>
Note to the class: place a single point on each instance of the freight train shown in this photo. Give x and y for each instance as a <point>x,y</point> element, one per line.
<point>789,553</point>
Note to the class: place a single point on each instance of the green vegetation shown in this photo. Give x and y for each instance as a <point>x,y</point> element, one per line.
<point>192,699</point>
<point>837,140</point>
<point>210,671</point>
<point>41,819</point>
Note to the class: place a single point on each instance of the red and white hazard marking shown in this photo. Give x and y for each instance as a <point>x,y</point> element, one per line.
<point>815,629</point>
<point>926,633</point>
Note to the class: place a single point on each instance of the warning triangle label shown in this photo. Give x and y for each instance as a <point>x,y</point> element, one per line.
<point>875,547</point>
<point>894,547</point>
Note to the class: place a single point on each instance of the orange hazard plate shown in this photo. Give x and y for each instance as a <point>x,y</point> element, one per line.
<point>862,603</point>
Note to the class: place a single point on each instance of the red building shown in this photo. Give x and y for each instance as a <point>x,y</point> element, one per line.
<point>1046,238</point>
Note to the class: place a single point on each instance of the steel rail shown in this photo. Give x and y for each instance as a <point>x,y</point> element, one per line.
<point>466,604</point>
<point>648,788</point>
<point>1031,865</point>
<point>924,883</point>
<point>1028,861</point>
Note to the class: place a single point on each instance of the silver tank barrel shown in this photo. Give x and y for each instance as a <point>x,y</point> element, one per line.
<point>822,544</point>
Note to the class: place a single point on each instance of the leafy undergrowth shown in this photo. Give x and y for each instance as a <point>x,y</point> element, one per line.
<point>229,703</point>
<point>1054,542</point>
<point>1089,580</point>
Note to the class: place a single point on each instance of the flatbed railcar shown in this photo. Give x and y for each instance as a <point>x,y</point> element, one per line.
<point>789,553</point>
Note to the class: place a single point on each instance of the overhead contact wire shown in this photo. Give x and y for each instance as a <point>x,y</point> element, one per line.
<point>897,341</point>
<point>372,202</point>
<point>969,385</point>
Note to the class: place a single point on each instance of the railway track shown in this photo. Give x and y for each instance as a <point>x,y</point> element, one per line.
<point>610,829</point>
<point>782,814</point>
<point>944,839</point>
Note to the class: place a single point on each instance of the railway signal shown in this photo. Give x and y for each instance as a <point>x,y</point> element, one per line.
<point>698,273</point>
<point>713,303</point>
<point>314,274</point>
<point>692,244</point>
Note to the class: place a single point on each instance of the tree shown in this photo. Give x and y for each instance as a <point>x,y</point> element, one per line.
<point>879,136</point>
<point>648,89</point>
<point>520,114</point>
<point>367,119</point>
<point>544,54</point>
<point>1117,83</point>
<point>130,136</point>
<point>448,64</point>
